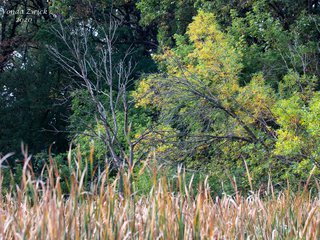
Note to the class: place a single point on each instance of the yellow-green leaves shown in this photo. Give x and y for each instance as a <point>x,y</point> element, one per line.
<point>208,97</point>
<point>257,98</point>
<point>144,95</point>
<point>289,113</point>
<point>203,28</point>
<point>294,83</point>
<point>288,143</point>
<point>208,59</point>
<point>216,60</point>
<point>311,119</point>
<point>299,127</point>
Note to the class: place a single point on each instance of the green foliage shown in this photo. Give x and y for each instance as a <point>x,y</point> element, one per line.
<point>227,104</point>
<point>32,106</point>
<point>299,132</point>
<point>169,17</point>
<point>86,130</point>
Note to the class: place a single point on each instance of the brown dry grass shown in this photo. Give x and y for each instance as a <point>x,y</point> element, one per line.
<point>38,210</point>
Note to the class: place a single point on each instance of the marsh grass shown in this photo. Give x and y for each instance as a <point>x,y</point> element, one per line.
<point>38,209</point>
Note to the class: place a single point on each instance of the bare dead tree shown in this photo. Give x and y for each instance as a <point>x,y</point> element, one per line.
<point>96,70</point>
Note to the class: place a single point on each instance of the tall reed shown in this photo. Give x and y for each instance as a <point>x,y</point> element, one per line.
<point>38,209</point>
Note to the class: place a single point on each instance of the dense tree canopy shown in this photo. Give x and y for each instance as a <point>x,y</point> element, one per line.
<point>213,85</point>
<point>241,91</point>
